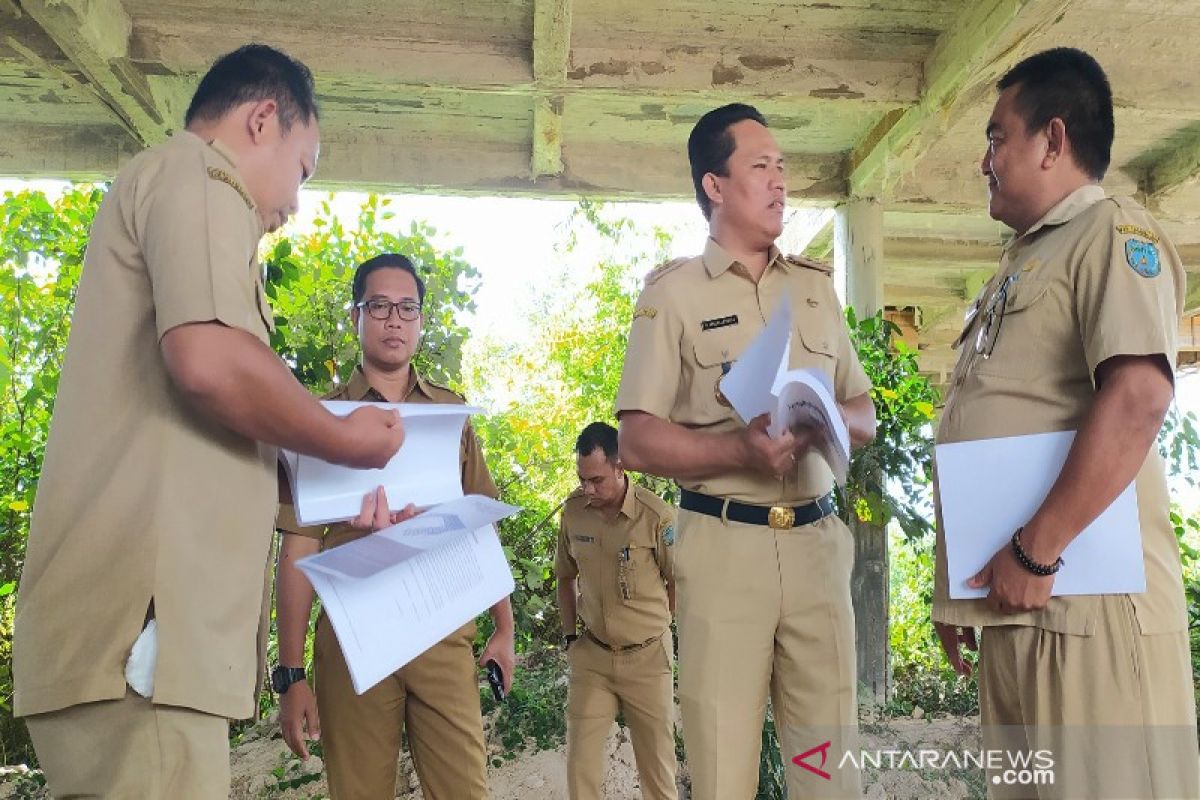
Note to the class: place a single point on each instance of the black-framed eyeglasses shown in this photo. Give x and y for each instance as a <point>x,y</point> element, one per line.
<point>380,308</point>
<point>993,317</point>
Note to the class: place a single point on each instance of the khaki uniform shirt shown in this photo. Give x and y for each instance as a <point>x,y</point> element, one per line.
<point>475,476</point>
<point>623,565</point>
<point>695,317</point>
<point>141,498</point>
<point>1095,278</point>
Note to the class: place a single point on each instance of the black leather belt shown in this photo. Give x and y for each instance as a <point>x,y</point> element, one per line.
<point>778,517</point>
<point>629,648</point>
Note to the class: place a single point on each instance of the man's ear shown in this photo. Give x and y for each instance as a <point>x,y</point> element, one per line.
<point>262,116</point>
<point>712,188</point>
<point>1057,143</point>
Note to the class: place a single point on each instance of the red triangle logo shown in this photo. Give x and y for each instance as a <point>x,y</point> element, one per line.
<point>823,749</point>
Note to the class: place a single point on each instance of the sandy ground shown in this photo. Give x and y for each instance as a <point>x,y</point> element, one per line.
<point>263,768</point>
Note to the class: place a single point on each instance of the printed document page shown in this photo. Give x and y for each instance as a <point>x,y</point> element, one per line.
<point>395,593</point>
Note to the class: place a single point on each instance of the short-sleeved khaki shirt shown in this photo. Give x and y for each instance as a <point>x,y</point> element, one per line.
<point>623,565</point>
<point>692,321</point>
<point>140,497</point>
<point>1095,278</point>
<point>475,476</point>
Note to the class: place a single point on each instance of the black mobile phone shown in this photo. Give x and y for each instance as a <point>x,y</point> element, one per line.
<point>495,677</point>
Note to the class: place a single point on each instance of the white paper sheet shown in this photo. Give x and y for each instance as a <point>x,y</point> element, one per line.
<point>395,593</point>
<point>425,470</point>
<point>990,487</point>
<point>748,385</point>
<point>760,383</point>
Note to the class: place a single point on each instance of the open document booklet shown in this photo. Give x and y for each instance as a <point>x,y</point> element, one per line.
<point>393,594</point>
<point>425,471</point>
<point>990,487</point>
<point>761,383</point>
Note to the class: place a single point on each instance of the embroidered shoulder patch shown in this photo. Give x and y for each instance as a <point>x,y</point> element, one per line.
<point>1137,230</point>
<point>668,535</point>
<point>646,311</point>
<point>224,177</point>
<point>1142,256</point>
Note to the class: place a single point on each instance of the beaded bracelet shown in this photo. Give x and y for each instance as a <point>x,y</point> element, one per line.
<point>1028,563</point>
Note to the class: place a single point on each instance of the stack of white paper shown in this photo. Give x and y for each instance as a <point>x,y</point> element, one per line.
<point>393,594</point>
<point>425,471</point>
<point>990,487</point>
<point>760,383</point>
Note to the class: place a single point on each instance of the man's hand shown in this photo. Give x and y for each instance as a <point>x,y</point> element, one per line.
<point>954,638</point>
<point>370,437</point>
<point>298,718</point>
<point>774,456</point>
<point>500,649</point>
<point>1014,588</point>
<point>375,516</point>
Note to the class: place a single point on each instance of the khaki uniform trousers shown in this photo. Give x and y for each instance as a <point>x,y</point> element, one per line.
<point>640,684</point>
<point>763,609</point>
<point>434,698</point>
<point>131,748</point>
<point>1114,712</point>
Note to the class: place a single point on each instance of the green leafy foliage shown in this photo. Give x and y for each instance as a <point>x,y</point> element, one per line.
<point>308,281</point>
<point>890,478</point>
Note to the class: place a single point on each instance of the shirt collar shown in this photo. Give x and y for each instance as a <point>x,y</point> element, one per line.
<point>1068,208</point>
<point>358,388</point>
<point>718,260</point>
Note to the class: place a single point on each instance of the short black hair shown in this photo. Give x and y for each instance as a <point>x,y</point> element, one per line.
<point>384,261</point>
<point>252,73</point>
<point>711,144</point>
<point>1069,84</point>
<point>598,434</point>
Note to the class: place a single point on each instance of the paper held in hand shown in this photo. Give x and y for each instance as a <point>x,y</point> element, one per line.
<point>393,594</point>
<point>425,471</point>
<point>761,383</point>
<point>990,487</point>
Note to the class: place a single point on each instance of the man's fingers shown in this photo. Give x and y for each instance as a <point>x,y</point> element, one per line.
<point>982,578</point>
<point>381,518</point>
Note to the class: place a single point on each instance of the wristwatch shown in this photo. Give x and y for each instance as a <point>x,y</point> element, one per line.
<point>283,677</point>
<point>568,638</point>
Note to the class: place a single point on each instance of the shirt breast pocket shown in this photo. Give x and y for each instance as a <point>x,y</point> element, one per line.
<point>264,310</point>
<point>713,359</point>
<point>1009,329</point>
<point>639,574</point>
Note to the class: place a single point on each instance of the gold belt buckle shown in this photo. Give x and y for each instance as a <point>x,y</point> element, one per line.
<point>781,517</point>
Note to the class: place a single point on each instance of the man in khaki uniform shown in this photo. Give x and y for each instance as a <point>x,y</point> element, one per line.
<point>435,697</point>
<point>1074,332</point>
<point>155,500</point>
<point>762,564</point>
<point>613,566</point>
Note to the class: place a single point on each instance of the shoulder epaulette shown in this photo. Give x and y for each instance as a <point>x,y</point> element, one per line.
<point>809,263</point>
<point>654,275</point>
<point>221,175</point>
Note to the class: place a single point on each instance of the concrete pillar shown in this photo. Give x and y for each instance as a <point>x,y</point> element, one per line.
<point>858,260</point>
